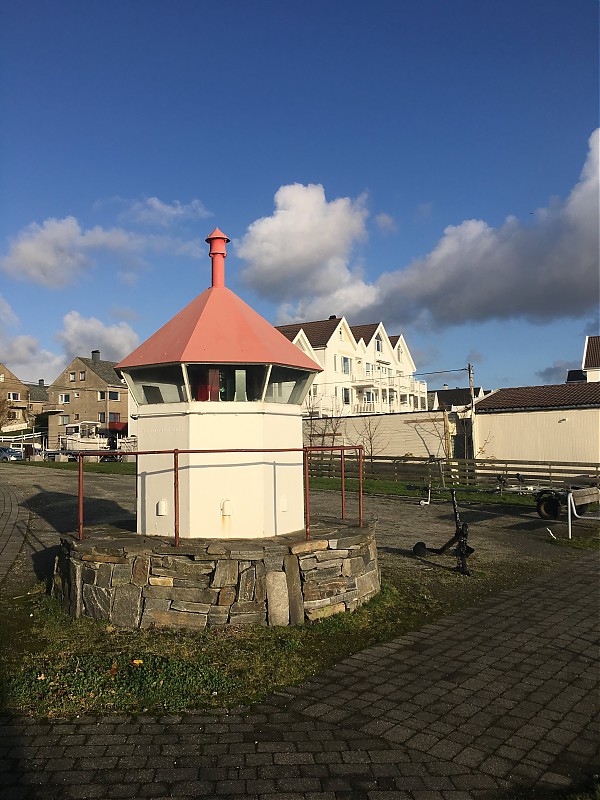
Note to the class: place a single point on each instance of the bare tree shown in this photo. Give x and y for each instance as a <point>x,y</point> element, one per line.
<point>368,433</point>
<point>433,426</point>
<point>5,412</point>
<point>323,431</point>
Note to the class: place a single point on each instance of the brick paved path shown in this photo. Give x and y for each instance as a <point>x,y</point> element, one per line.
<point>13,527</point>
<point>488,702</point>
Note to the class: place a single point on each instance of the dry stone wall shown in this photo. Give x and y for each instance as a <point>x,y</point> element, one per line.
<point>141,582</point>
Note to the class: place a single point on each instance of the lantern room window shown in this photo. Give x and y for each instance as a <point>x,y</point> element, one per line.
<point>159,384</point>
<point>287,385</point>
<point>238,383</point>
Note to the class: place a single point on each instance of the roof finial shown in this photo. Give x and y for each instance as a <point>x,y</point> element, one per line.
<point>218,252</point>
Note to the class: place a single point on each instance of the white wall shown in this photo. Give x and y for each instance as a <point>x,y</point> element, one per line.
<point>417,434</point>
<point>540,435</point>
<point>263,491</point>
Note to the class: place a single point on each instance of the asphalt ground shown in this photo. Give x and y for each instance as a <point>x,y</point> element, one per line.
<point>497,699</point>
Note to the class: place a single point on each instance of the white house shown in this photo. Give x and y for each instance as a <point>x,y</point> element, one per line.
<point>365,370</point>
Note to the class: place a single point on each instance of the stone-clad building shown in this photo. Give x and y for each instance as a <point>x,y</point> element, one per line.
<point>88,399</point>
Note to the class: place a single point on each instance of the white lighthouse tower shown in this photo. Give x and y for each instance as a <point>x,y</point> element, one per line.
<point>219,377</point>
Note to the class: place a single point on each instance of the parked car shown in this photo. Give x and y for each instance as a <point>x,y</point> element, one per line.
<point>10,454</point>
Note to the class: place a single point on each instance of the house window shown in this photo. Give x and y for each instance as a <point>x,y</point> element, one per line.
<point>114,417</point>
<point>384,395</point>
<point>369,396</point>
<point>64,419</point>
<point>82,375</point>
<point>346,365</point>
<point>113,395</point>
<point>102,417</point>
<point>64,398</point>
<point>378,344</point>
<point>12,415</point>
<point>101,395</point>
<point>76,417</point>
<point>368,368</point>
<point>71,376</point>
<point>1,377</point>
<point>14,395</point>
<point>76,395</point>
<point>335,363</point>
<point>346,394</point>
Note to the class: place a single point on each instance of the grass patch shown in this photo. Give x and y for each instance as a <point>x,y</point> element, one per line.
<point>400,489</point>
<point>102,467</point>
<point>84,666</point>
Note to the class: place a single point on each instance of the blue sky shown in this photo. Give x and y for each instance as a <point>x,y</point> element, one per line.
<point>431,164</point>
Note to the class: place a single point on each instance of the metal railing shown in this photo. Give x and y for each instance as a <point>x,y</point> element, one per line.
<point>572,513</point>
<point>341,449</point>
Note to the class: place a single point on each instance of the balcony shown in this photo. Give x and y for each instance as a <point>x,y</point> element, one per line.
<point>362,381</point>
<point>54,408</point>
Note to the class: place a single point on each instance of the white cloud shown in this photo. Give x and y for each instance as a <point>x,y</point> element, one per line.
<point>124,313</point>
<point>152,211</point>
<point>386,223</point>
<point>22,354</point>
<point>300,258</point>
<point>55,253</point>
<point>546,271</point>
<point>7,315</point>
<point>80,335</point>
<point>303,249</point>
<point>30,362</point>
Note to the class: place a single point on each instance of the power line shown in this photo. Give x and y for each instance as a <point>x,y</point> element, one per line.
<point>442,371</point>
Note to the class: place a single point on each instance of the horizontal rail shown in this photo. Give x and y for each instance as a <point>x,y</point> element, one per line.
<point>176,453</point>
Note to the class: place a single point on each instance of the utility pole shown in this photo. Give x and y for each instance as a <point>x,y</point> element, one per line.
<point>472,414</point>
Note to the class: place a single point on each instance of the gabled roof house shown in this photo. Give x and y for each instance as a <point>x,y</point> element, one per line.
<point>365,371</point>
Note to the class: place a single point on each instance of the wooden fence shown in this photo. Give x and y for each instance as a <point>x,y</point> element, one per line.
<point>473,473</point>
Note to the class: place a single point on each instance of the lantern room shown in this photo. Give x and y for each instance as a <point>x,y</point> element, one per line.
<point>219,377</point>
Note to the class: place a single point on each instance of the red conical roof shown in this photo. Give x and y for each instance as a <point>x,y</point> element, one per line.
<point>218,328</point>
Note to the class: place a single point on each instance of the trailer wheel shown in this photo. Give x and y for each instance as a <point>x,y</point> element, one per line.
<point>582,508</point>
<point>548,507</point>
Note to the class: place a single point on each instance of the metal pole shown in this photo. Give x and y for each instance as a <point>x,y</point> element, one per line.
<point>176,492</point>
<point>306,495</point>
<point>80,498</point>
<point>343,472</point>
<point>360,486</point>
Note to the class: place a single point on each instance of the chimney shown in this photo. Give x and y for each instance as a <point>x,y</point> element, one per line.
<point>95,355</point>
<point>445,386</point>
<point>332,316</point>
<point>218,252</point>
<point>41,382</point>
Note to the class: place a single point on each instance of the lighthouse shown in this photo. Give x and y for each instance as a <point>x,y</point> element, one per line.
<point>219,377</point>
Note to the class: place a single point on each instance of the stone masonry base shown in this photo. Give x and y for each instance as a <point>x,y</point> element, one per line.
<point>140,582</point>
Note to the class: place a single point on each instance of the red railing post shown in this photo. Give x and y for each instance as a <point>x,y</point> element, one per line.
<point>306,494</point>
<point>343,472</point>
<point>80,498</point>
<point>360,486</point>
<point>176,494</point>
